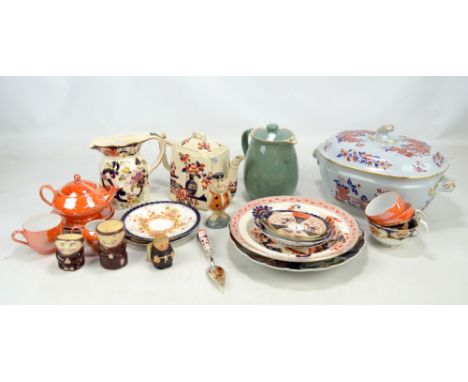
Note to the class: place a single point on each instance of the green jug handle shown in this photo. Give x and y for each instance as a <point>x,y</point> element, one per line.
<point>245,140</point>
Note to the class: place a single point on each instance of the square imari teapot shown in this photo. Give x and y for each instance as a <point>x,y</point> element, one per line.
<point>193,163</point>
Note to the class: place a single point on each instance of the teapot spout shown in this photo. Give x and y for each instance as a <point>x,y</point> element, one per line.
<point>232,174</point>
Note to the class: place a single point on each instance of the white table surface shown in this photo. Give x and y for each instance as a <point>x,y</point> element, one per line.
<point>430,269</point>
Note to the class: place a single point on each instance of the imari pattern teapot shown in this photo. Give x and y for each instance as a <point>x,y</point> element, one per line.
<point>193,163</point>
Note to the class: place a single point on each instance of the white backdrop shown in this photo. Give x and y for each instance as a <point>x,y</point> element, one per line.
<point>46,125</point>
<point>436,107</point>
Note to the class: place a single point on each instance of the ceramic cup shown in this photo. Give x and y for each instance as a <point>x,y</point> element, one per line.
<point>70,251</point>
<point>388,209</point>
<point>40,232</point>
<point>90,235</point>
<point>112,244</point>
<point>396,235</point>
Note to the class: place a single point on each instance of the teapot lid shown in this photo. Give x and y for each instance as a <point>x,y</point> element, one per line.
<point>381,152</point>
<point>198,142</point>
<point>273,133</point>
<point>78,187</point>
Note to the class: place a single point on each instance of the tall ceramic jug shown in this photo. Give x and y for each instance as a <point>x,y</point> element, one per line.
<point>124,168</point>
<point>270,161</point>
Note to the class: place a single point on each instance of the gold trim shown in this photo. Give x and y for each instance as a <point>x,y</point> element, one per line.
<point>378,174</point>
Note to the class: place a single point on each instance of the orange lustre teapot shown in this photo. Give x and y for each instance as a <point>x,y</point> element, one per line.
<point>80,201</point>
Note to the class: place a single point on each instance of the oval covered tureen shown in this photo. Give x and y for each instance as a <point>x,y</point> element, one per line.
<point>357,165</point>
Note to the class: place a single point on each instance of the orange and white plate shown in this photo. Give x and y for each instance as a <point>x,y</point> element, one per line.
<point>344,236</point>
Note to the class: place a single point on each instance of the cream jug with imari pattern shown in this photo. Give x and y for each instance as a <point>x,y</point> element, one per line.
<point>193,163</point>
<point>123,167</point>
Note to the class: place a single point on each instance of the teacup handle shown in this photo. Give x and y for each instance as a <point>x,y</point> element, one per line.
<point>19,232</point>
<point>41,193</point>
<point>162,152</point>
<point>421,219</point>
<point>77,228</point>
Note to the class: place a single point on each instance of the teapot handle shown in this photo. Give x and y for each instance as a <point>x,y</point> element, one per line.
<point>41,193</point>
<point>162,152</point>
<point>245,140</point>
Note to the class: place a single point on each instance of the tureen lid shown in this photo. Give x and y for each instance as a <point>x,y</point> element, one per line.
<point>198,142</point>
<point>273,133</point>
<point>78,187</point>
<point>384,153</point>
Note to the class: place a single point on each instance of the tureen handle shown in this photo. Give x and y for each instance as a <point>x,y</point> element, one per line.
<point>444,184</point>
<point>41,193</point>
<point>382,134</point>
<point>200,136</point>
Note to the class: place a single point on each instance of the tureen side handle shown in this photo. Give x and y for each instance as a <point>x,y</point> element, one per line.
<point>167,142</point>
<point>41,193</point>
<point>245,140</point>
<point>443,185</point>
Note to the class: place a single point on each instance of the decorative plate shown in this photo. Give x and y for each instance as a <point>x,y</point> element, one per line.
<point>304,267</point>
<point>345,230</point>
<point>185,218</point>
<point>291,227</point>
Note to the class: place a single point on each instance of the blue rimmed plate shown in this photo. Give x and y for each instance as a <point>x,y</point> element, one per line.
<point>185,218</point>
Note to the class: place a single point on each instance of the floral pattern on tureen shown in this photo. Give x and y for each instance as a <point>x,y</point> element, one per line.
<point>382,152</point>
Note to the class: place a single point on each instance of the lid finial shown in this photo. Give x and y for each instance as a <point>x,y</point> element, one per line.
<point>272,127</point>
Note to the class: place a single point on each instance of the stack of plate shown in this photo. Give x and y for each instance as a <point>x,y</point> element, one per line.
<point>296,234</point>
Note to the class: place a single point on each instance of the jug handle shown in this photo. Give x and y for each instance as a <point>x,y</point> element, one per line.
<point>168,143</point>
<point>162,152</point>
<point>245,140</point>
<point>41,193</point>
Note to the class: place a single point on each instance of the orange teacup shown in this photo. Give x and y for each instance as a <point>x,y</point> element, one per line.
<point>388,209</point>
<point>405,216</point>
<point>89,233</point>
<point>40,232</point>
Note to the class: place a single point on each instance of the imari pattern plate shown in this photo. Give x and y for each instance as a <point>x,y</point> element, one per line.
<point>304,267</point>
<point>344,236</point>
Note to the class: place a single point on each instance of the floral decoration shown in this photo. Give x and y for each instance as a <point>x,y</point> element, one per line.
<point>411,147</point>
<point>260,211</point>
<point>438,159</point>
<point>362,157</point>
<point>204,146</point>
<point>349,192</point>
<point>419,166</point>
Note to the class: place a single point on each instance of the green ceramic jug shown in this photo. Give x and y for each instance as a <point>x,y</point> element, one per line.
<point>270,167</point>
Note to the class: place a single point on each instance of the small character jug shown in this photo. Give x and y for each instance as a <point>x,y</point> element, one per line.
<point>124,168</point>
<point>270,162</point>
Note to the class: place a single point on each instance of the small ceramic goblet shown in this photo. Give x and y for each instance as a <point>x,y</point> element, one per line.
<point>220,198</point>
